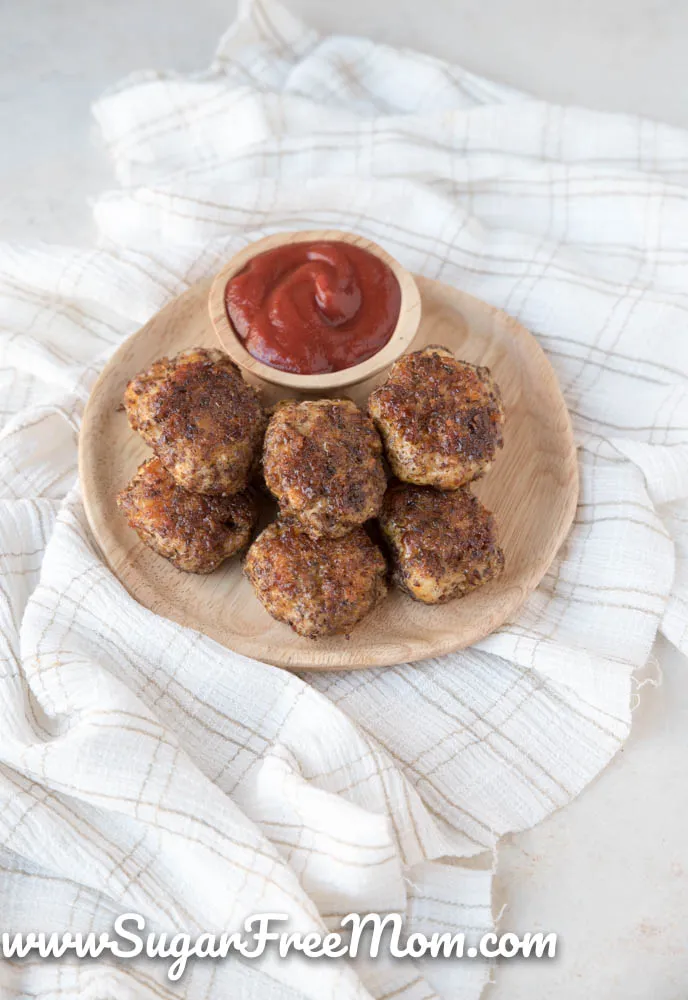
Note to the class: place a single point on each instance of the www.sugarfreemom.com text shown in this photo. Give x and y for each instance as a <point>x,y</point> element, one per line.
<point>368,933</point>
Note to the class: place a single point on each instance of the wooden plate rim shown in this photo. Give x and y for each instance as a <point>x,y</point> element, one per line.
<point>307,659</point>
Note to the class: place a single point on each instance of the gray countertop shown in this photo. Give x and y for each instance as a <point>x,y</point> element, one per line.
<point>56,56</point>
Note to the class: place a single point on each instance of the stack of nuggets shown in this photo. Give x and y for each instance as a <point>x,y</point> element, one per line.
<point>316,568</point>
<point>192,503</point>
<point>441,420</point>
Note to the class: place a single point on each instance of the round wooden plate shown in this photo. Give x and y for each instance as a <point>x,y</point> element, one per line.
<point>532,489</point>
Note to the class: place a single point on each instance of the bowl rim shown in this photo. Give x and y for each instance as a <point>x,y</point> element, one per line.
<point>402,337</point>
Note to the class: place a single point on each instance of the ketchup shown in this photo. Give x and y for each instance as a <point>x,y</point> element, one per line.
<point>311,308</point>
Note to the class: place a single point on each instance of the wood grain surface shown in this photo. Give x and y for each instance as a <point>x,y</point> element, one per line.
<point>532,489</point>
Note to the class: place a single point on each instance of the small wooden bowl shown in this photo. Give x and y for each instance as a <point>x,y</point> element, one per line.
<point>400,341</point>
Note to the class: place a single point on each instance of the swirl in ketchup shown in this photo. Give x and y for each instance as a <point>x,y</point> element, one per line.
<point>311,308</point>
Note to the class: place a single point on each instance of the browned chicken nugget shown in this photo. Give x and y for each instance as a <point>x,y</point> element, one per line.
<point>196,533</point>
<point>440,419</point>
<point>322,459</point>
<point>318,586</point>
<point>443,544</point>
<point>201,419</point>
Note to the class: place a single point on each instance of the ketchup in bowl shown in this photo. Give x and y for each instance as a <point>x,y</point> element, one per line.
<point>311,308</point>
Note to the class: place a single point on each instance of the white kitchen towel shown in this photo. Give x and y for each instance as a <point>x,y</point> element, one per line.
<point>145,768</point>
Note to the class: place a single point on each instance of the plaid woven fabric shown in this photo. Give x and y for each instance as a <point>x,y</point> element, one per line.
<point>144,768</point>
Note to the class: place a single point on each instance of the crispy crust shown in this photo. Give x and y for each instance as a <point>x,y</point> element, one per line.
<point>318,586</point>
<point>440,419</point>
<point>201,419</point>
<point>322,459</point>
<point>196,533</point>
<point>443,545</point>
